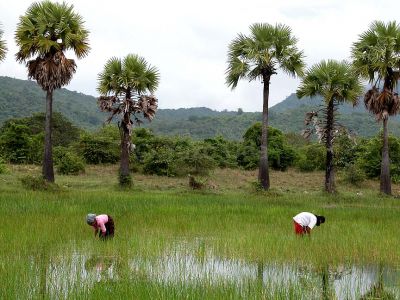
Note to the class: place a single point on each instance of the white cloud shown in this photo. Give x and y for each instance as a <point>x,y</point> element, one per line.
<point>188,41</point>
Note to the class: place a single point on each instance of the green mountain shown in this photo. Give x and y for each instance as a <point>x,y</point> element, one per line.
<point>22,98</point>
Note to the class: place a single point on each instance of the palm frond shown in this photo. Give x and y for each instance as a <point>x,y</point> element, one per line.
<point>123,84</point>
<point>49,27</point>
<point>262,52</point>
<point>3,47</point>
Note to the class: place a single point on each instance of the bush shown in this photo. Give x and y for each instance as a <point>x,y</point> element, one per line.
<point>193,161</point>
<point>99,150</point>
<point>370,157</point>
<point>37,183</point>
<point>311,157</point>
<point>159,162</point>
<point>223,152</point>
<point>125,180</point>
<point>3,167</point>
<point>280,154</point>
<point>354,175</point>
<point>70,164</point>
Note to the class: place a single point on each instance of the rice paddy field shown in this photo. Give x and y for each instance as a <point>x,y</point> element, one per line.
<point>226,241</point>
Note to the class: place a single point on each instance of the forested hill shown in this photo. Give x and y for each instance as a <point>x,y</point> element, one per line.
<point>22,98</point>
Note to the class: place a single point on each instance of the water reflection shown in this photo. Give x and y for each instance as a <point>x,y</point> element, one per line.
<point>180,265</point>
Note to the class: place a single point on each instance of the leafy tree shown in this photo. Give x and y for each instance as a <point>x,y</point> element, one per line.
<point>281,155</point>
<point>64,133</point>
<point>369,158</point>
<point>376,57</point>
<point>43,34</point>
<point>336,83</point>
<point>3,47</point>
<point>123,84</point>
<point>15,143</point>
<point>69,163</point>
<point>99,147</point>
<point>223,152</point>
<point>257,57</point>
<point>311,157</point>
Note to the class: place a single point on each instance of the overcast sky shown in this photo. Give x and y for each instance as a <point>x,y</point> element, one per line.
<point>188,42</point>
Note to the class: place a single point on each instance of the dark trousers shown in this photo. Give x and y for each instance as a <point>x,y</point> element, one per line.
<point>110,228</point>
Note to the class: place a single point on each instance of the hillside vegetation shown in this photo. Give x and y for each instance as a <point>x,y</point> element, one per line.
<point>22,98</point>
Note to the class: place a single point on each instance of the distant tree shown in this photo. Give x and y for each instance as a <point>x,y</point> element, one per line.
<point>280,154</point>
<point>43,34</point>
<point>376,57</point>
<point>123,84</point>
<point>257,57</point>
<point>336,83</point>
<point>3,47</point>
<point>63,131</point>
<point>15,143</point>
<point>239,111</point>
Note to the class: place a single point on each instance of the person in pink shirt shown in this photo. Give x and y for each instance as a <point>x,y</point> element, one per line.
<point>102,224</point>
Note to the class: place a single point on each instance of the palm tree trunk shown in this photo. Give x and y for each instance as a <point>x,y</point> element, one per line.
<point>329,172</point>
<point>47,170</point>
<point>124,163</point>
<point>263,173</point>
<point>386,185</point>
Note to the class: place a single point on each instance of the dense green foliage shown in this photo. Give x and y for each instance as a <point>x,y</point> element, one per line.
<point>369,158</point>
<point>280,154</point>
<point>21,142</point>
<point>21,139</point>
<point>68,162</point>
<point>22,98</point>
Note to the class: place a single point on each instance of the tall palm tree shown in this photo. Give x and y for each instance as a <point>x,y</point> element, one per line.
<point>336,82</point>
<point>3,47</point>
<point>43,34</point>
<point>123,85</point>
<point>376,57</point>
<point>257,57</point>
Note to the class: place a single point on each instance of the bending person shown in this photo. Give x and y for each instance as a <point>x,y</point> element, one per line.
<point>304,222</point>
<point>102,224</point>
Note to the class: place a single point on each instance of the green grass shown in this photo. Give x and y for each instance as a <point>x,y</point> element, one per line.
<point>44,233</point>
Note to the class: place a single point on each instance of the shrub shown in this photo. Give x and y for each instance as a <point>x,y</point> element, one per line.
<point>99,150</point>
<point>70,164</point>
<point>125,180</point>
<point>159,162</point>
<point>193,161</point>
<point>3,167</point>
<point>311,157</point>
<point>280,154</point>
<point>370,157</point>
<point>354,175</point>
<point>37,183</point>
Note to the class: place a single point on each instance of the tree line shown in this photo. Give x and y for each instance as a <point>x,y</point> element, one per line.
<point>127,85</point>
<point>22,141</point>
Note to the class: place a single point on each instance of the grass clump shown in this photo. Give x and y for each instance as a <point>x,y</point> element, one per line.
<point>3,167</point>
<point>37,183</point>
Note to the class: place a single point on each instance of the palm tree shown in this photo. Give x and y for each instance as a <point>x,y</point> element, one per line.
<point>3,48</point>
<point>336,82</point>
<point>257,57</point>
<point>123,85</point>
<point>43,34</point>
<point>376,57</point>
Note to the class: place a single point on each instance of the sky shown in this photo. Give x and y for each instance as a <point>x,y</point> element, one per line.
<point>188,42</point>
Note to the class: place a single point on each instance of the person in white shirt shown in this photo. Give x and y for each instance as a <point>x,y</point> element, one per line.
<point>305,221</point>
